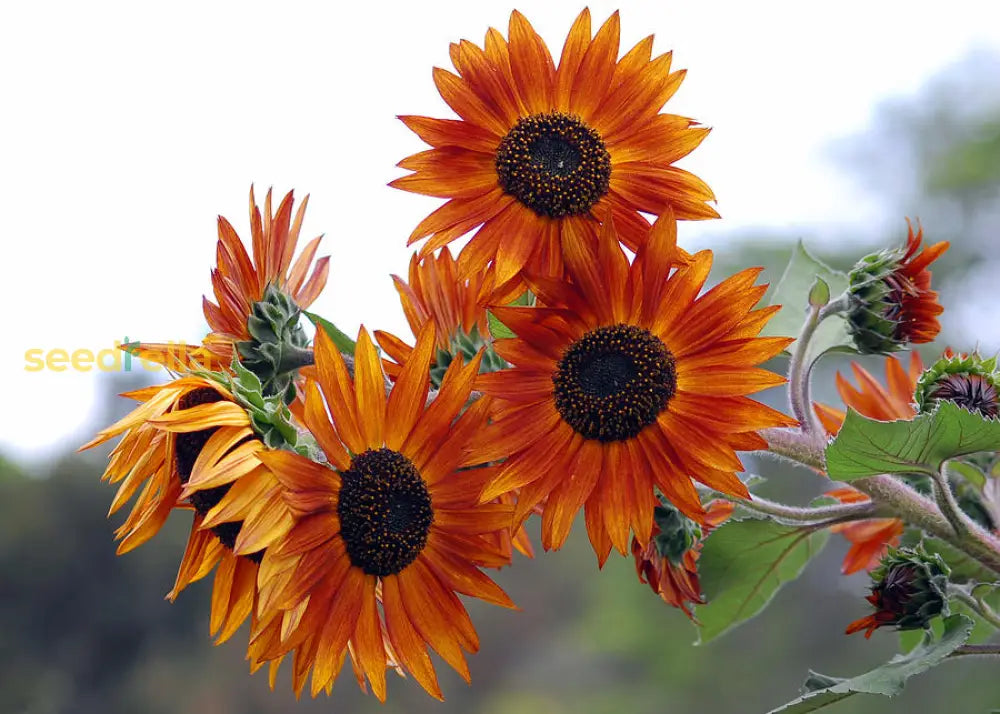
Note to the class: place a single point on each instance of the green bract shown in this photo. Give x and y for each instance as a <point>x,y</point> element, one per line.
<point>940,381</point>
<point>872,319</point>
<point>911,585</point>
<point>278,345</point>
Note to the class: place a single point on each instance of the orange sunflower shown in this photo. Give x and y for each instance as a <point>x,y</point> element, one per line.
<point>871,538</point>
<point>435,293</point>
<point>190,446</point>
<point>239,281</point>
<point>675,580</point>
<point>541,152</point>
<point>625,382</point>
<point>392,517</point>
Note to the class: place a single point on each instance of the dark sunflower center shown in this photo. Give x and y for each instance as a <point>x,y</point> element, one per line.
<point>613,382</point>
<point>187,447</point>
<point>554,164</point>
<point>971,391</point>
<point>385,512</point>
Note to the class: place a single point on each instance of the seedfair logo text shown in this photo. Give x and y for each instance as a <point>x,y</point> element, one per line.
<point>119,358</point>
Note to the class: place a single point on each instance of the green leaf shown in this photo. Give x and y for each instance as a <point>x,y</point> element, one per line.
<point>890,678</point>
<point>742,565</point>
<point>793,293</point>
<point>865,447</point>
<point>344,343</point>
<point>819,293</point>
<point>499,330</point>
<point>969,472</point>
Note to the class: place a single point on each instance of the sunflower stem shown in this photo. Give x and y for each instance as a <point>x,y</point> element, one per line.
<point>808,515</point>
<point>947,503</point>
<point>803,448</point>
<point>922,512</point>
<point>798,373</point>
<point>976,604</point>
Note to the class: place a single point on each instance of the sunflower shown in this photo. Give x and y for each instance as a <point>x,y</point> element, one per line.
<point>240,281</point>
<point>625,382</point>
<point>541,152</point>
<point>391,517</point>
<point>893,305</point>
<point>190,446</point>
<point>871,538</point>
<point>674,576</point>
<point>434,293</point>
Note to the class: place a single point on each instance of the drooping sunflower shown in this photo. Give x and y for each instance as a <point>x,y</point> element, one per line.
<point>541,151</point>
<point>627,381</point>
<point>670,564</point>
<point>871,538</point>
<point>190,446</point>
<point>392,517</point>
<point>240,281</point>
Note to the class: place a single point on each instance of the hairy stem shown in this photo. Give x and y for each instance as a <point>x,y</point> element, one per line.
<point>796,514</point>
<point>798,374</point>
<point>977,605</point>
<point>796,445</point>
<point>947,503</point>
<point>920,511</point>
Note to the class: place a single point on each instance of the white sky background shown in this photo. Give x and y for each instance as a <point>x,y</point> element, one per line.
<point>127,127</point>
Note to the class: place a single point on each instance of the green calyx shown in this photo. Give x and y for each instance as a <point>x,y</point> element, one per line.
<point>678,534</point>
<point>910,588</point>
<point>269,414</point>
<point>873,318</point>
<point>278,346</point>
<point>466,346</point>
<point>969,381</point>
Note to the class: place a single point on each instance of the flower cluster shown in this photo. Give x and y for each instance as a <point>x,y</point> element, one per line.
<point>568,360</point>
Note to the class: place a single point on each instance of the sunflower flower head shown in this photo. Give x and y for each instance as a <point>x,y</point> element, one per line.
<point>624,383</point>
<point>259,297</point>
<point>669,562</point>
<point>190,446</point>
<point>969,381</point>
<point>543,149</point>
<point>434,293</point>
<point>388,517</point>
<point>908,590</point>
<point>892,304</point>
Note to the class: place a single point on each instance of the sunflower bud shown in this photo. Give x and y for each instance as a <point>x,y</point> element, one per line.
<point>908,590</point>
<point>892,304</point>
<point>969,381</point>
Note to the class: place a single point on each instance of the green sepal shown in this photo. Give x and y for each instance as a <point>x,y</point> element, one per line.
<point>269,414</point>
<point>278,346</point>
<point>869,321</point>
<point>912,585</point>
<point>466,346</point>
<point>678,533</point>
